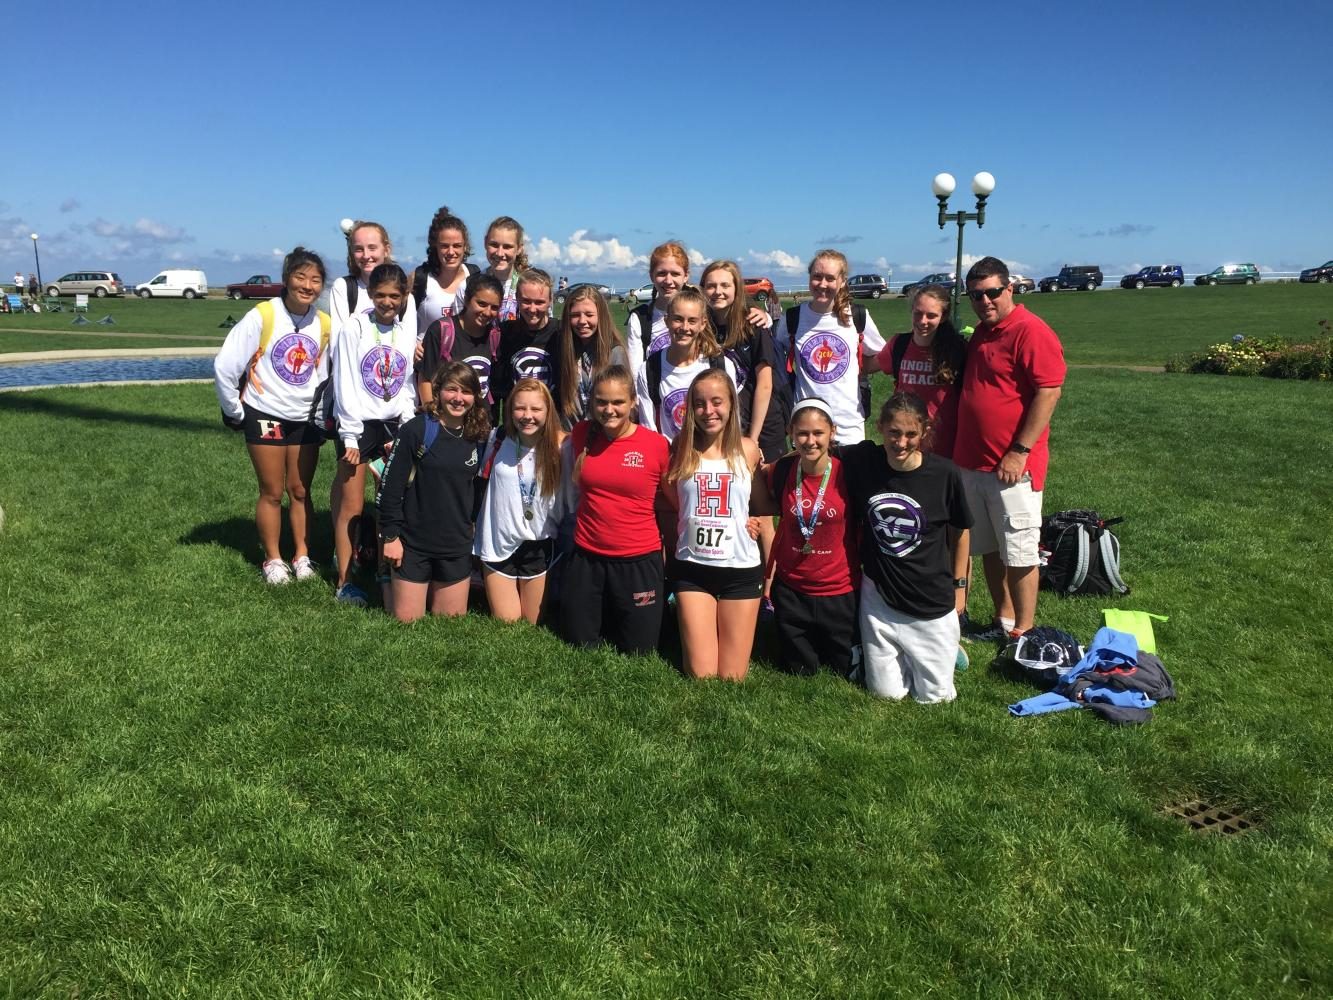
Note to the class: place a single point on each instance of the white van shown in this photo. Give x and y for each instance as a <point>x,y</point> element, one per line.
<point>178,283</point>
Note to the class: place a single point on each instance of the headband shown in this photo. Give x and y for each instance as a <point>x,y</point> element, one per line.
<point>813,402</point>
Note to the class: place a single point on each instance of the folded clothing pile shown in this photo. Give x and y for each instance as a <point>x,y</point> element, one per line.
<point>1115,679</point>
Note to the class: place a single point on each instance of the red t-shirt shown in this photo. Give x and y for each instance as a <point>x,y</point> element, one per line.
<point>832,567</point>
<point>618,483</point>
<point>917,376</point>
<point>1006,364</point>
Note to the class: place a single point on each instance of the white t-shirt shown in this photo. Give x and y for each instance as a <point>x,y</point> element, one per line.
<point>501,525</point>
<point>661,336</point>
<point>827,366</point>
<point>667,418</point>
<point>372,376</point>
<point>437,302</point>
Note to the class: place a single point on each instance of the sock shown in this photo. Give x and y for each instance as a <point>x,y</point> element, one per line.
<point>1007,624</point>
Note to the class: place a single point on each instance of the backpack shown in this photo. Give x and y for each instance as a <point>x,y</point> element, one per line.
<point>1042,655</point>
<point>266,320</point>
<point>1080,554</point>
<point>645,314</point>
<point>862,380</point>
<point>351,282</point>
<point>449,332</point>
<point>898,350</point>
<point>655,375</point>
<point>420,275</point>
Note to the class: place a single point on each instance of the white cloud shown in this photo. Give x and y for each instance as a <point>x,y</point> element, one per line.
<point>778,260</point>
<point>582,252</point>
<point>142,234</point>
<point>697,260</point>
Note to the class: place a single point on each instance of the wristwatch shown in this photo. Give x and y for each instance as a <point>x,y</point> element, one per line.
<point>1022,449</point>
<point>385,539</point>
<point>960,583</point>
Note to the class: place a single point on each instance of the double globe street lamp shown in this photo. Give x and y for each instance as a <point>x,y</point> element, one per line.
<point>943,185</point>
<point>36,259</point>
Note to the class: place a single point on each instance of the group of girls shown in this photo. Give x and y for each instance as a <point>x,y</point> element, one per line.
<point>645,466</point>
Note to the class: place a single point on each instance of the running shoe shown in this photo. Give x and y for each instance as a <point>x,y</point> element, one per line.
<point>994,632</point>
<point>960,662</point>
<point>277,572</point>
<point>766,610</point>
<point>304,568</point>
<point>350,593</point>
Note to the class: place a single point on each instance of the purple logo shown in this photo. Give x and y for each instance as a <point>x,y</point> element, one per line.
<point>898,523</point>
<point>825,357</point>
<point>658,343</point>
<point>533,362</point>
<point>674,405</point>
<point>481,364</point>
<point>383,371</point>
<point>294,358</point>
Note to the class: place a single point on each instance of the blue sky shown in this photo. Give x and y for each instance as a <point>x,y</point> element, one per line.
<point>165,135</point>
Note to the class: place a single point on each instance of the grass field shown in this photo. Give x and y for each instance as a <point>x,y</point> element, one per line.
<point>1105,327</point>
<point>211,788</point>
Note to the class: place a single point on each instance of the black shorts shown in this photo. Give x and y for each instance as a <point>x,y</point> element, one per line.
<point>375,436</point>
<point>606,598</point>
<point>814,630</point>
<point>725,583</point>
<point>418,567</point>
<point>264,428</point>
<point>527,562</point>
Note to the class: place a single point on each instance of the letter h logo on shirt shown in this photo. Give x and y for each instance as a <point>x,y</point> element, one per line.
<point>714,494</point>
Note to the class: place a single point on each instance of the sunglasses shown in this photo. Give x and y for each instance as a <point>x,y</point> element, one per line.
<point>977,294</point>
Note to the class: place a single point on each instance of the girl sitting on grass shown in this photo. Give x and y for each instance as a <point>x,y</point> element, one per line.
<point>716,571</point>
<point>270,376</point>
<point>373,394</point>
<point>428,498</point>
<point>914,523</point>
<point>520,514</point>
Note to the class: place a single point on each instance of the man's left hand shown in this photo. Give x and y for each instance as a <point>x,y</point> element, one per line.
<point>1010,469</point>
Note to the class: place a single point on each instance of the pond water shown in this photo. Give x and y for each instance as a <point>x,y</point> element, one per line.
<point>37,373</point>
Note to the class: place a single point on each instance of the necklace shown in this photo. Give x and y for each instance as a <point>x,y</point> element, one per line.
<point>808,529</point>
<point>527,492</point>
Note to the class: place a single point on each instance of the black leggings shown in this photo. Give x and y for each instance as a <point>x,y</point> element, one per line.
<point>815,630</point>
<point>616,600</point>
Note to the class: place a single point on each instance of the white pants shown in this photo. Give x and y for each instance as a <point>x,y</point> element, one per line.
<point>903,655</point>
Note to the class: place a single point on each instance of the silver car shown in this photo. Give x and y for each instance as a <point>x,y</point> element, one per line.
<point>98,284</point>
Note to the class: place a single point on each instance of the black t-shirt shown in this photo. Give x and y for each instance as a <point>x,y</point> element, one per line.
<point>748,358</point>
<point>524,354</point>
<point>435,514</point>
<point>475,352</point>
<point>905,517</point>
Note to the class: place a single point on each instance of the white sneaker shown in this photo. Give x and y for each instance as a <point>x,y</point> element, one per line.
<point>304,568</point>
<point>277,572</point>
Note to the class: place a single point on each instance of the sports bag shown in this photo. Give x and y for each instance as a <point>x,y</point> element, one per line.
<point>1041,655</point>
<point>1080,554</point>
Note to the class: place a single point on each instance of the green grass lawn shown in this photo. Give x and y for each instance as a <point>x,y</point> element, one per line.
<point>212,788</point>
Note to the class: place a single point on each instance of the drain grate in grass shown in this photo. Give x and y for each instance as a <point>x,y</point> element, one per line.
<point>1205,818</point>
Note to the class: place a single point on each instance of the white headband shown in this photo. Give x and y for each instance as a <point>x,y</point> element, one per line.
<point>813,403</point>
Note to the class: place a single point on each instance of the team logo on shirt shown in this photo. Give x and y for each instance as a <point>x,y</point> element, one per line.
<point>714,494</point>
<point>742,373</point>
<point>658,343</point>
<point>533,362</point>
<point>482,366</point>
<point>632,460</point>
<point>898,522</point>
<point>674,404</point>
<point>294,358</point>
<point>383,371</point>
<point>825,357</point>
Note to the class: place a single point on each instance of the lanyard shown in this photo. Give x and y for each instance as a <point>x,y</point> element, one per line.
<point>527,491</point>
<point>808,530</point>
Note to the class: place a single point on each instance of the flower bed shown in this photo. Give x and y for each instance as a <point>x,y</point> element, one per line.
<point>1272,357</point>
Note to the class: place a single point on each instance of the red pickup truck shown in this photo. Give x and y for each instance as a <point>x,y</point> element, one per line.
<point>257,286</point>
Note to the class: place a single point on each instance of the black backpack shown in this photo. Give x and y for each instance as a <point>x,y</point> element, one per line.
<point>863,379</point>
<point>645,314</point>
<point>1080,554</point>
<point>354,293</point>
<point>655,375</point>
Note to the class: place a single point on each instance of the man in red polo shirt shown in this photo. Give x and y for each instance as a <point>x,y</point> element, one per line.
<point>1015,368</point>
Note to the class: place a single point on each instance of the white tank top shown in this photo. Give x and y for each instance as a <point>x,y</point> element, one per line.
<point>503,523</point>
<point>714,506</point>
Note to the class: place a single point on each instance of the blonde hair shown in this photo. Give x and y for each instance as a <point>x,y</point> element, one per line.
<point>842,301</point>
<point>547,448</point>
<point>705,345</point>
<point>686,447</point>
<point>534,276</point>
<point>506,222</point>
<point>352,266</point>
<point>738,326</point>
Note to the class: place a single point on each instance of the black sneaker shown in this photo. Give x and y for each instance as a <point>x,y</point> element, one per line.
<point>994,632</point>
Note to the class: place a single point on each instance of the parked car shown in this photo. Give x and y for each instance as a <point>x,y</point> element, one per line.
<point>1021,285</point>
<point>1160,275</point>
<point>257,286</point>
<point>761,290</point>
<point>945,278</point>
<point>1084,277</point>
<point>98,284</point>
<point>174,283</point>
<point>606,290</point>
<point>867,286</point>
<point>1230,274</point>
<point>1323,274</point>
<point>636,296</point>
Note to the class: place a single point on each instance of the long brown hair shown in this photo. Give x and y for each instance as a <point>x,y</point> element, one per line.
<point>948,344</point>
<point>739,332</point>
<point>705,345</point>
<point>477,420</point>
<point>842,299</point>
<point>611,373</point>
<point>547,448</point>
<point>606,340</point>
<point>687,445</point>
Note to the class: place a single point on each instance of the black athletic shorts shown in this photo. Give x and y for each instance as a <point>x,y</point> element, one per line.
<point>724,583</point>
<point>264,428</point>
<point>418,567</point>
<point>617,600</point>
<point>814,630</point>
<point>375,436</point>
<point>527,562</point>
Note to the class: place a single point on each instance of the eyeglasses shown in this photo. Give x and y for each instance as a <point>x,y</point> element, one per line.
<point>977,294</point>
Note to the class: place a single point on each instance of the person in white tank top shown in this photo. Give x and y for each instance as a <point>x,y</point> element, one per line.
<point>717,572</point>
<point>445,269</point>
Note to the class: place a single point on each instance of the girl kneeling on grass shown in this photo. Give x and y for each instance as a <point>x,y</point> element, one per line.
<point>429,496</point>
<point>717,572</point>
<point>373,394</point>
<point>914,522</point>
<point>814,553</point>
<point>270,377</point>
<point>612,586</point>
<point>520,514</point>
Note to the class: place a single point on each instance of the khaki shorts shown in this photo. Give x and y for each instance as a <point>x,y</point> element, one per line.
<point>1005,519</point>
